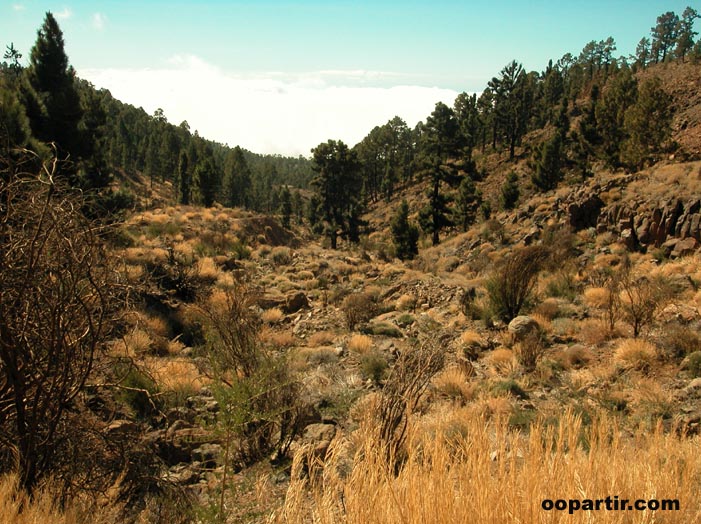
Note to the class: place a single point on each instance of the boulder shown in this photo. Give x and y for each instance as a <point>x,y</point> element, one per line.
<point>522,326</point>
<point>295,302</point>
<point>684,247</point>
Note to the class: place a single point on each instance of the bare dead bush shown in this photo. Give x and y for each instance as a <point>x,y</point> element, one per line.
<point>359,308</point>
<point>404,386</point>
<point>54,301</point>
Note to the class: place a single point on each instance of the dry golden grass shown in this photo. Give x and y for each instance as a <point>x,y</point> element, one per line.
<point>272,316</point>
<point>453,383</point>
<point>134,272</point>
<point>279,340</point>
<point>175,374</point>
<point>321,338</point>
<point>596,297</point>
<point>593,332</point>
<point>313,356</point>
<point>207,268</point>
<point>471,338</point>
<point>303,275</point>
<point>501,362</point>
<point>487,473</point>
<point>135,343</point>
<point>649,399</point>
<point>43,508</point>
<point>360,344</point>
<point>548,308</point>
<point>406,303</point>
<point>543,321</point>
<point>635,353</point>
<point>156,325</point>
<point>575,356</point>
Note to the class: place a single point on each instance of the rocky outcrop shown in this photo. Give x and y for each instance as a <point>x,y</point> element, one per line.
<point>674,226</point>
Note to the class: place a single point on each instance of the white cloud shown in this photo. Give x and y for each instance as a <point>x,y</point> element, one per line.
<point>18,7</point>
<point>271,113</point>
<point>98,21</point>
<point>65,14</point>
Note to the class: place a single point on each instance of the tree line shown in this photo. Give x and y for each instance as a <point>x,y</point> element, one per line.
<point>45,103</point>
<point>589,108</point>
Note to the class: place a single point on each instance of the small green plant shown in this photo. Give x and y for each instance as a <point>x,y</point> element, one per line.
<point>405,320</point>
<point>383,329</point>
<point>373,366</point>
<point>281,256</point>
<point>510,286</point>
<point>694,364</point>
<point>511,387</point>
<point>136,389</point>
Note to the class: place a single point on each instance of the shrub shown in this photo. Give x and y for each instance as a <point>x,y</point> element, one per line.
<point>693,364</point>
<point>281,256</point>
<point>681,341</point>
<point>512,283</point>
<point>272,316</point>
<point>383,329</point>
<point>358,308</point>
<point>529,350</point>
<point>373,366</point>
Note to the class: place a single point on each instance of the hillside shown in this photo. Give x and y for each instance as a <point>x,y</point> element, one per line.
<point>210,346</point>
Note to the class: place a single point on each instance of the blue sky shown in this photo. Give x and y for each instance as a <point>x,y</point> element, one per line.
<point>281,76</point>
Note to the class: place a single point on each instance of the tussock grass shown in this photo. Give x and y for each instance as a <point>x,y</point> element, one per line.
<point>321,338</point>
<point>360,344</point>
<point>176,374</point>
<point>272,316</point>
<point>17,508</point>
<point>471,469</point>
<point>596,297</point>
<point>635,353</point>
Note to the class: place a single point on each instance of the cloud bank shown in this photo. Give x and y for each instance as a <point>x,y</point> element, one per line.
<point>272,113</point>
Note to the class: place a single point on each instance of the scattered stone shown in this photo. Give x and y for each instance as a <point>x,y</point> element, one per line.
<point>521,326</point>
<point>121,427</point>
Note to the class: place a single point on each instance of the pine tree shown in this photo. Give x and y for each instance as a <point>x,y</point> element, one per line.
<point>206,180</point>
<point>441,143</point>
<point>647,124</point>
<point>510,191</point>
<point>405,235</point>
<point>548,162</point>
<point>285,207</point>
<point>686,33</point>
<point>338,185</point>
<point>237,179</point>
<point>55,115</point>
<point>184,185</point>
<point>467,203</point>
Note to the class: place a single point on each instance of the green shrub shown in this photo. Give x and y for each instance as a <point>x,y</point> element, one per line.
<point>383,329</point>
<point>694,364</point>
<point>281,256</point>
<point>373,366</point>
<point>137,389</point>
<point>511,387</point>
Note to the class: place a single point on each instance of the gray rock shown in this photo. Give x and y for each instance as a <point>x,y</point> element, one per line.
<point>522,326</point>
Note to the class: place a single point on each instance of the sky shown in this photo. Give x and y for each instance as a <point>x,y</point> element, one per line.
<point>279,76</point>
